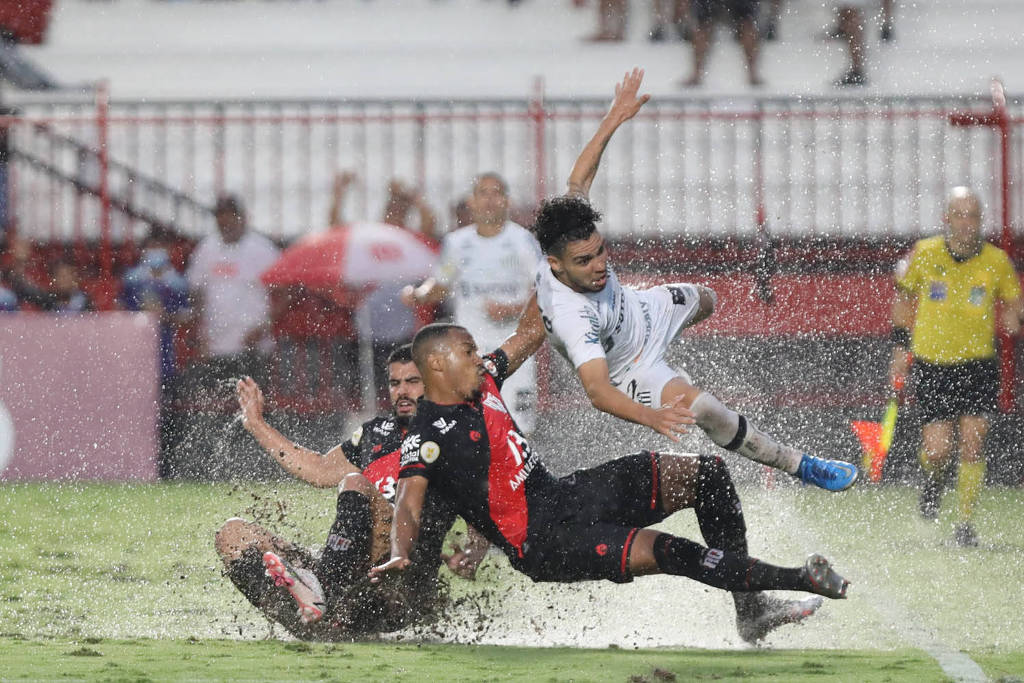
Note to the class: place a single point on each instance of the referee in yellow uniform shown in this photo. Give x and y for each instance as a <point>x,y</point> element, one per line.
<point>945,315</point>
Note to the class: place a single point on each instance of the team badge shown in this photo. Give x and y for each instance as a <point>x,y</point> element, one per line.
<point>977,295</point>
<point>429,452</point>
<point>937,291</point>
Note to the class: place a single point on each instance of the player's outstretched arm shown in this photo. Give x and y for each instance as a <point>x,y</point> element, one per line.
<point>624,107</point>
<point>670,420</point>
<point>300,462</point>
<point>430,291</point>
<point>405,526</point>
<point>527,338</point>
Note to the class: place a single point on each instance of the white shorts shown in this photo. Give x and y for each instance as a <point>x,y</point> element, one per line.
<point>672,308</point>
<point>520,394</point>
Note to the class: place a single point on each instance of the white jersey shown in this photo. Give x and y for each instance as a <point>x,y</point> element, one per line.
<point>234,299</point>
<point>614,324</point>
<point>476,270</point>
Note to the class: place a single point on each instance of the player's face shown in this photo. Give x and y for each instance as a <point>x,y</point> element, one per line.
<point>583,265</point>
<point>964,219</point>
<point>465,371</point>
<point>489,204</point>
<point>405,386</point>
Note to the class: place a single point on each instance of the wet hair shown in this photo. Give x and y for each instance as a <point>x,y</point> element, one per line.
<point>564,219</point>
<point>427,339</point>
<point>229,203</point>
<point>401,354</point>
<point>491,175</point>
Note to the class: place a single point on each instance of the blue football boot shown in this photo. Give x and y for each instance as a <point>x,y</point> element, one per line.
<point>831,475</point>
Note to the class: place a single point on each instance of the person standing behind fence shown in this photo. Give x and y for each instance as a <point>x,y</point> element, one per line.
<point>488,269</point>
<point>955,280</point>
<point>744,13</point>
<point>231,304</point>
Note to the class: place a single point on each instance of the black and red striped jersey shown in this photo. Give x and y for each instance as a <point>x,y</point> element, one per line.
<point>475,457</point>
<point>374,448</point>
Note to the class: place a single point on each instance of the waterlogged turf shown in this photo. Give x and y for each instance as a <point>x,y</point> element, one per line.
<point>121,581</point>
<point>95,659</point>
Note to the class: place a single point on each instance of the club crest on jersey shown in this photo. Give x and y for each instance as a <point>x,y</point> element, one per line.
<point>937,291</point>
<point>443,425</point>
<point>429,452</point>
<point>491,367</point>
<point>977,295</point>
<point>357,435</point>
<point>494,403</point>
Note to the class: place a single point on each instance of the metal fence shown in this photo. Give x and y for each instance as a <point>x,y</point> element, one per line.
<point>693,168</point>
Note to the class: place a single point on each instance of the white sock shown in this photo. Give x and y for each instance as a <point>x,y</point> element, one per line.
<point>732,431</point>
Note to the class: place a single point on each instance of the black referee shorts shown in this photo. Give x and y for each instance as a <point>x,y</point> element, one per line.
<point>945,392</point>
<point>588,533</point>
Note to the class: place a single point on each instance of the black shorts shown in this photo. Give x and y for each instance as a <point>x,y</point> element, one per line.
<point>945,392</point>
<point>706,10</point>
<point>587,534</point>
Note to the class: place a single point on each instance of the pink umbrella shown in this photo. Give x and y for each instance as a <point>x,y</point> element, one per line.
<point>357,256</point>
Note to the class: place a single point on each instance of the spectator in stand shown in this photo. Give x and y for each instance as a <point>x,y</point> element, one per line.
<point>670,16</point>
<point>851,17</point>
<point>744,13</point>
<point>62,293</point>
<point>230,303</point>
<point>391,322</point>
<point>612,17</point>
<point>154,286</point>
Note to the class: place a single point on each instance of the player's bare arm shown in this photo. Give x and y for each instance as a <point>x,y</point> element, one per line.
<point>669,420</point>
<point>1011,314</point>
<point>430,291</point>
<point>528,337</point>
<point>904,306</point>
<point>405,526</point>
<point>300,462</point>
<point>624,107</point>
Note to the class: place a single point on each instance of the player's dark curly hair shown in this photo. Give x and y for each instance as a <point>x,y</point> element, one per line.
<point>564,219</point>
<point>401,354</point>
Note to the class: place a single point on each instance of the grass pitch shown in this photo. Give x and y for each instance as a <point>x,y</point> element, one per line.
<point>120,582</point>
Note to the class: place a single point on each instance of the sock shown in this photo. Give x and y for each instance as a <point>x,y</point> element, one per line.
<point>734,432</point>
<point>968,487</point>
<point>346,555</point>
<point>718,508</point>
<point>723,569</point>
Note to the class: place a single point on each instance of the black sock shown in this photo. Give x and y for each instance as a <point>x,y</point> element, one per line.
<point>718,508</point>
<point>346,555</point>
<point>725,569</point>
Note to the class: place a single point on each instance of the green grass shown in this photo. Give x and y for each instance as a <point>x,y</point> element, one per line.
<point>120,582</point>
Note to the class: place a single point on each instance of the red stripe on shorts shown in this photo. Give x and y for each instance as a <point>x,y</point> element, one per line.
<point>625,550</point>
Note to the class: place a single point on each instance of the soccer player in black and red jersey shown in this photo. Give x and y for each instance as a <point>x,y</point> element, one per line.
<point>465,448</point>
<point>332,585</point>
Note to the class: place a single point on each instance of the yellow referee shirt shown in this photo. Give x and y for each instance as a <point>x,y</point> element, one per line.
<point>955,319</point>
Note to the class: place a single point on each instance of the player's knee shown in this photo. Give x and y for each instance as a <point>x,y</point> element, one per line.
<point>232,538</point>
<point>356,482</point>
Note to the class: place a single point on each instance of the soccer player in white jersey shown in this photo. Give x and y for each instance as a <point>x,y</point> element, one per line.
<point>616,336</point>
<point>487,269</point>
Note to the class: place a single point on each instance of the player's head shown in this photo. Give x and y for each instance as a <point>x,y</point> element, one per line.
<point>963,219</point>
<point>230,215</point>
<point>489,202</point>
<point>447,357</point>
<point>566,228</point>
<point>405,386</point>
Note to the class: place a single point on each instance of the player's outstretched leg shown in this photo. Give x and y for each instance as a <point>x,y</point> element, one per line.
<point>301,583</point>
<point>734,432</point>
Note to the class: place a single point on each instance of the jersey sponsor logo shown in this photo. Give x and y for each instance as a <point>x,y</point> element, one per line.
<point>411,449</point>
<point>593,335</point>
<point>384,428</point>
<point>678,295</point>
<point>429,452</point>
<point>712,557</point>
<point>494,403</point>
<point>443,425</point>
<point>977,295</point>
<point>601,549</point>
<point>937,291</point>
<point>475,435</point>
<point>378,448</point>
<point>357,435</point>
